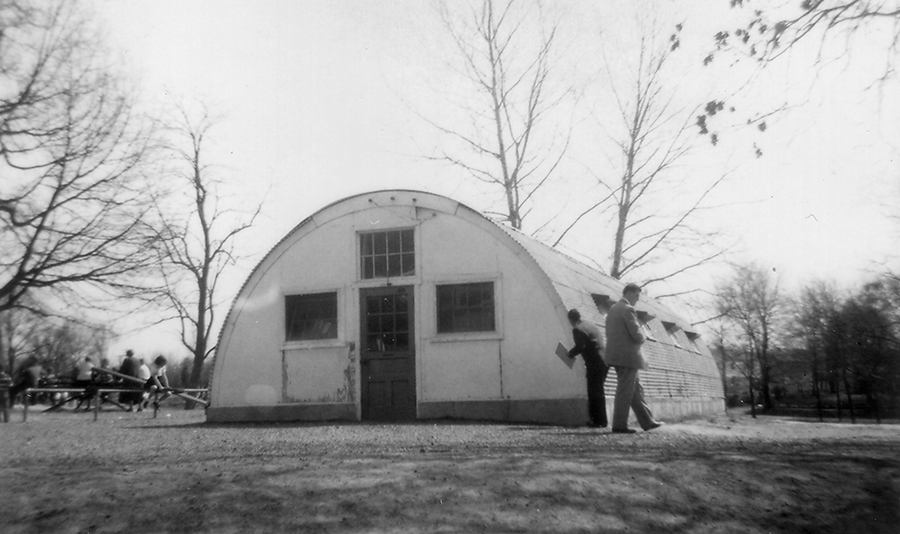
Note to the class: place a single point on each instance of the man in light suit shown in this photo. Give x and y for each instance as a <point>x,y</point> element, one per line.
<point>623,351</point>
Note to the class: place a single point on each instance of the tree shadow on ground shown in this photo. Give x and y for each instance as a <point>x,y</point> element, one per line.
<point>193,477</point>
<point>500,493</point>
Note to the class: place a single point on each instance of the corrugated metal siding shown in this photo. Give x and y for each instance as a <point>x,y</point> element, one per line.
<point>673,372</point>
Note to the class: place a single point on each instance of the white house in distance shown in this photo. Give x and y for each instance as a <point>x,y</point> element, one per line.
<point>403,305</point>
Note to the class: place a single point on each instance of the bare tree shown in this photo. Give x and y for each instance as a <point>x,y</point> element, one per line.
<point>509,142</point>
<point>751,300</point>
<point>732,356</point>
<point>651,136</point>
<point>72,197</point>
<point>813,316</point>
<point>15,325</point>
<point>866,345</point>
<point>723,356</point>
<point>59,344</point>
<point>196,236</point>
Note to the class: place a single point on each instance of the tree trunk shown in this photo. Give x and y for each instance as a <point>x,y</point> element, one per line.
<point>765,372</point>
<point>624,208</point>
<point>836,388</point>
<point>817,391</point>
<point>197,372</point>
<point>725,388</point>
<point>3,352</point>
<point>722,368</point>
<point>194,381</point>
<point>849,398</point>
<point>817,385</point>
<point>874,389</point>
<point>752,401</point>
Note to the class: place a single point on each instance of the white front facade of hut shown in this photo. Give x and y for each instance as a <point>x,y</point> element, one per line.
<point>401,305</point>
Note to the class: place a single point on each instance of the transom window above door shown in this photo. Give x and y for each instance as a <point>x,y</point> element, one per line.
<point>387,254</point>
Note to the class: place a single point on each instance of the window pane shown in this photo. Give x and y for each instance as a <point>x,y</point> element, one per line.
<point>402,322</point>
<point>394,265</point>
<point>461,322</point>
<point>393,242</point>
<point>466,308</point>
<point>401,302</point>
<point>311,316</point>
<point>380,266</point>
<point>373,304</point>
<point>372,324</point>
<point>406,237</point>
<point>387,323</point>
<point>380,243</point>
<point>408,265</point>
<point>368,268</point>
<point>367,244</point>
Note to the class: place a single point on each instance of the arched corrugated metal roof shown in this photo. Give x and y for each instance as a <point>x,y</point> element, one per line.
<point>577,283</point>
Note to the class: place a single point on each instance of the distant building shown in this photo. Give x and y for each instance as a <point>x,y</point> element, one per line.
<point>401,305</point>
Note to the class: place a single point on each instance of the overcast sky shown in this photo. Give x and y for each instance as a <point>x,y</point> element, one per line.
<point>323,99</point>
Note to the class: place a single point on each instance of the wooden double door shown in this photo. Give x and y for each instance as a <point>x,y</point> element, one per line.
<point>387,354</point>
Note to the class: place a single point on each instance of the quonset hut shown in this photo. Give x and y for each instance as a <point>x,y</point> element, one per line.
<point>403,305</point>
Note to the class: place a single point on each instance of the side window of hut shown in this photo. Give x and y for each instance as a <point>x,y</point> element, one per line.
<point>465,308</point>
<point>672,331</point>
<point>310,317</point>
<point>387,254</point>
<point>644,318</point>
<point>603,302</point>
<point>692,341</point>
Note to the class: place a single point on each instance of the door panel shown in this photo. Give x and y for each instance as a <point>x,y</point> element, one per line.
<point>388,354</point>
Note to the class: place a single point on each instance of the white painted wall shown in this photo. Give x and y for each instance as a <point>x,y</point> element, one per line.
<point>319,375</point>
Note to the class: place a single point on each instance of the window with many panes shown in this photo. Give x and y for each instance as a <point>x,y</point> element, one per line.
<point>386,254</point>
<point>465,308</point>
<point>310,317</point>
<point>387,323</point>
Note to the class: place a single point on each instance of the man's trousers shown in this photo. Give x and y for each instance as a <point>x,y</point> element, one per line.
<point>596,376</point>
<point>630,394</point>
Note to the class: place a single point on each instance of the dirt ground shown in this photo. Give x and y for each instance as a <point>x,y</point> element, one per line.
<point>128,472</point>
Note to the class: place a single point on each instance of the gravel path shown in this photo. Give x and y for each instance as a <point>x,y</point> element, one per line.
<point>65,473</point>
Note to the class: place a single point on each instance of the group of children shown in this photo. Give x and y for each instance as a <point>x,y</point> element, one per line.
<point>147,378</point>
<point>153,377</point>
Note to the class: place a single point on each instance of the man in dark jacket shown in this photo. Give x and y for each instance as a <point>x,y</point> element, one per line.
<point>623,342</point>
<point>589,343</point>
<point>29,376</point>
